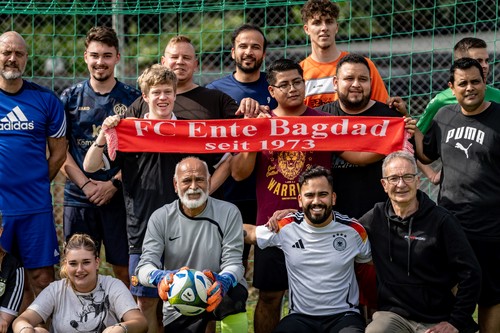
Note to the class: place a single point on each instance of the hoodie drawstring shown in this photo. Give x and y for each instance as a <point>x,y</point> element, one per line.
<point>409,245</point>
<point>389,236</point>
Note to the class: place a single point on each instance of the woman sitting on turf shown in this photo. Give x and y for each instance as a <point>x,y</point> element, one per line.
<point>83,301</point>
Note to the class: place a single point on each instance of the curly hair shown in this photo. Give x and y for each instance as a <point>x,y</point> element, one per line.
<point>322,7</point>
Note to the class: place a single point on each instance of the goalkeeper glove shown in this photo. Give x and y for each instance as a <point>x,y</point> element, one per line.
<point>221,283</point>
<point>163,279</point>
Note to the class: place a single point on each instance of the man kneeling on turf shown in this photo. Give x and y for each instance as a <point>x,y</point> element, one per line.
<point>320,248</point>
<point>202,233</point>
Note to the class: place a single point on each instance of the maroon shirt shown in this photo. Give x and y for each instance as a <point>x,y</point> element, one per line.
<point>278,172</point>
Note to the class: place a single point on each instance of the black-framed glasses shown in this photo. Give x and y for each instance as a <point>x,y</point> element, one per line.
<point>407,178</point>
<point>285,87</point>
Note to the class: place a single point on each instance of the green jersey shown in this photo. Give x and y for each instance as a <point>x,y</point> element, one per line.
<point>446,97</point>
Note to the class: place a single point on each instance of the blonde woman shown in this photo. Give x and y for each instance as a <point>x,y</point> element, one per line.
<point>83,301</point>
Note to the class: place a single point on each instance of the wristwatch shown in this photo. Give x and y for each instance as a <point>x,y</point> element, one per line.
<point>116,183</point>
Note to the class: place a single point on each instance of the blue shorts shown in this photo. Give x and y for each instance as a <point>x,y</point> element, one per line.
<point>32,239</point>
<point>105,224</point>
<point>139,289</point>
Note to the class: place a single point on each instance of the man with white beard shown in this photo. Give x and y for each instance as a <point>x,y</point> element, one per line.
<point>202,233</point>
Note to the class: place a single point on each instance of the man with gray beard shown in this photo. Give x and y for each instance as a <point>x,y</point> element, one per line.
<point>31,120</point>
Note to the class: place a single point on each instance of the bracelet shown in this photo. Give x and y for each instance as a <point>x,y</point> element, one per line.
<point>125,329</point>
<point>81,187</point>
<point>25,327</point>
<point>99,146</point>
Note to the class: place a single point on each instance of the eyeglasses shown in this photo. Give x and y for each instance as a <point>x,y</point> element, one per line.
<point>407,178</point>
<point>285,87</point>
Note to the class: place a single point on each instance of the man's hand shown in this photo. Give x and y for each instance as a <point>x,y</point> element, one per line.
<point>164,286</point>
<point>250,108</point>
<point>442,327</point>
<point>436,178</point>
<point>100,192</point>
<point>220,286</point>
<point>410,125</point>
<point>163,279</point>
<point>3,326</point>
<point>272,223</point>
<point>111,121</point>
<point>398,104</point>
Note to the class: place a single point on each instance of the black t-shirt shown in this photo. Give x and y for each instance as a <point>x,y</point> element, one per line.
<point>358,188</point>
<point>470,182</point>
<point>197,103</point>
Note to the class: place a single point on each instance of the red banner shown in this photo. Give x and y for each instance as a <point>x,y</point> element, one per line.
<point>370,134</point>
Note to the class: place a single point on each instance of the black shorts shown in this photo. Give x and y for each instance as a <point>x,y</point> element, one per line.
<point>269,270</point>
<point>248,210</point>
<point>488,255</point>
<point>347,322</point>
<point>234,302</point>
<point>105,224</point>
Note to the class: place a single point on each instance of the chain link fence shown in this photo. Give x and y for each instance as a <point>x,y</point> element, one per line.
<point>410,41</point>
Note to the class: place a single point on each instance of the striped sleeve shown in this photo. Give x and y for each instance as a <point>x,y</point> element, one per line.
<point>13,292</point>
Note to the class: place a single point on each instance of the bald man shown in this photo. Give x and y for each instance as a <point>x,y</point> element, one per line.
<point>202,233</point>
<point>31,119</point>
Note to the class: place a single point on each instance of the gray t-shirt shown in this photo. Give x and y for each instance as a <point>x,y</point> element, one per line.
<point>72,311</point>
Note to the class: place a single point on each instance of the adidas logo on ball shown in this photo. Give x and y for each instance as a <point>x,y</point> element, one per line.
<point>188,292</point>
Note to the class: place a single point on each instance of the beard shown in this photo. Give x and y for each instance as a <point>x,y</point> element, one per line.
<point>193,203</point>
<point>12,72</point>
<point>314,219</point>
<point>249,70</point>
<point>354,105</point>
<point>101,77</point>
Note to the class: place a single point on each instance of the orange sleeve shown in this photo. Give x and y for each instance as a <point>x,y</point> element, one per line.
<point>379,91</point>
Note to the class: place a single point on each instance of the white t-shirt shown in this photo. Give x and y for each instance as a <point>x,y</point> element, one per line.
<point>320,262</point>
<point>84,312</point>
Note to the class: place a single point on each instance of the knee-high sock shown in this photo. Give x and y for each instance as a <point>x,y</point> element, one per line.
<point>236,323</point>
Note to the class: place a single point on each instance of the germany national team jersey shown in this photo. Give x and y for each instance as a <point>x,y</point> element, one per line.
<point>320,262</point>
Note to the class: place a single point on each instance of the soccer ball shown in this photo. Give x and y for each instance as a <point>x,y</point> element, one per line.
<point>188,292</point>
